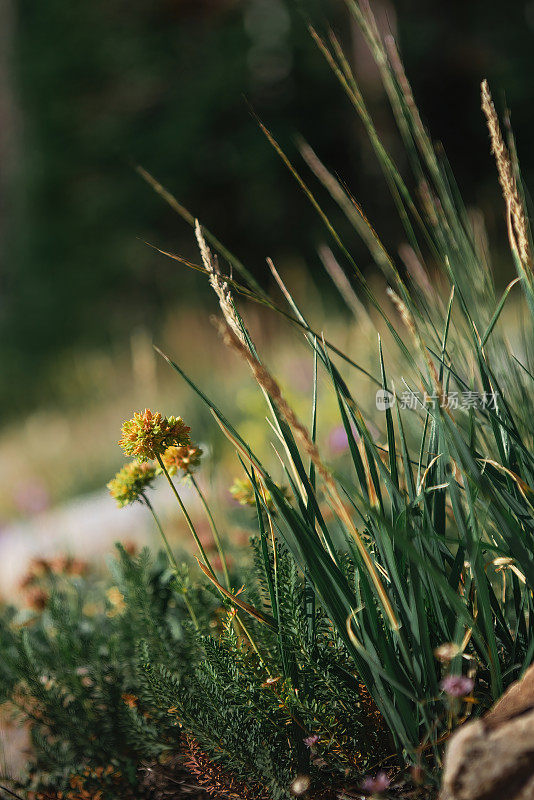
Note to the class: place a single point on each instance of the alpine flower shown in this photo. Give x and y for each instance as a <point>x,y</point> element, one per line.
<point>130,482</point>
<point>242,491</point>
<point>457,685</point>
<point>147,435</point>
<point>181,458</point>
<point>377,784</point>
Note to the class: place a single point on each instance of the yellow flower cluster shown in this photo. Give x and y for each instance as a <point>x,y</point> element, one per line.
<point>148,434</point>
<point>181,458</point>
<point>131,481</point>
<point>242,491</point>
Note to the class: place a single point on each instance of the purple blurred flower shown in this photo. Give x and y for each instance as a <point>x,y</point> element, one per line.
<point>309,741</point>
<point>457,685</point>
<point>338,440</point>
<point>377,784</point>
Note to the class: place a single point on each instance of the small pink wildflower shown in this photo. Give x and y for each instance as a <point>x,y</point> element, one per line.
<point>377,784</point>
<point>338,440</point>
<point>457,685</point>
<point>309,741</point>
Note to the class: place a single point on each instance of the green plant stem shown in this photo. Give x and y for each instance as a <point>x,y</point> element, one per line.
<point>214,531</point>
<point>186,515</point>
<point>253,644</point>
<point>170,556</point>
<point>199,545</point>
<point>220,550</point>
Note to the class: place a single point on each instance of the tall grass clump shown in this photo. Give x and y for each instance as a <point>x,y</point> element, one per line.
<point>437,519</point>
<point>388,603</point>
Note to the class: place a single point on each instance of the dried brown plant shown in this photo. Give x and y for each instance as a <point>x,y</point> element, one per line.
<point>518,229</point>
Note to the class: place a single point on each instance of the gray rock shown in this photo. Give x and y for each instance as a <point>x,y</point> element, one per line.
<point>492,758</point>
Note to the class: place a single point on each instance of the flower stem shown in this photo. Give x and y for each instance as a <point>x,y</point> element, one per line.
<point>170,554</point>
<point>252,642</point>
<point>186,515</point>
<point>199,545</point>
<point>172,560</point>
<point>190,609</point>
<point>215,532</point>
<point>238,621</point>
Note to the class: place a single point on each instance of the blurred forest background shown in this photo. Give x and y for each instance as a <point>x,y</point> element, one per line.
<point>89,90</point>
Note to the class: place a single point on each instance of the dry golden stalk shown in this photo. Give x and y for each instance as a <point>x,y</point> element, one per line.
<point>219,285</point>
<point>349,207</point>
<point>416,271</point>
<point>518,231</point>
<point>343,284</point>
<point>402,80</point>
<point>430,202</point>
<point>270,385</point>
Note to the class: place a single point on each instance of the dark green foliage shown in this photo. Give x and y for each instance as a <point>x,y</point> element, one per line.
<point>252,712</point>
<point>108,677</point>
<point>331,657</point>
<point>71,670</point>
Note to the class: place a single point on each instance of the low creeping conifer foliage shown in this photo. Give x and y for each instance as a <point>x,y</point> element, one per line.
<point>70,670</point>
<point>125,695</point>
<point>385,603</point>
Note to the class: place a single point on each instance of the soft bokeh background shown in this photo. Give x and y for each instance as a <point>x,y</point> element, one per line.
<point>89,90</point>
